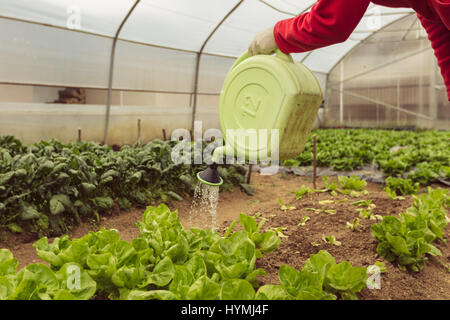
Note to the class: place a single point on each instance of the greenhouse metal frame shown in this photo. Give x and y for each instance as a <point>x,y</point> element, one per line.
<point>213,42</point>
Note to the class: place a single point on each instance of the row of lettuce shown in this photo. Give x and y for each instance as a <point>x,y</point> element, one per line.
<point>49,186</point>
<point>422,156</point>
<point>408,238</point>
<point>167,261</point>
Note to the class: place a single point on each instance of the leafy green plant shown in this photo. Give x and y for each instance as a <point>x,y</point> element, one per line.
<point>354,225</point>
<point>39,282</point>
<point>331,240</point>
<point>407,239</point>
<point>362,203</point>
<point>320,278</point>
<point>352,183</point>
<point>402,186</point>
<point>303,221</point>
<point>392,194</point>
<point>49,186</point>
<point>284,207</point>
<point>322,210</point>
<point>167,261</point>
<point>368,214</point>
<point>350,149</point>
<point>301,192</point>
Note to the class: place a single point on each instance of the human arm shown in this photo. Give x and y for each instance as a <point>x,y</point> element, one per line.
<point>439,36</point>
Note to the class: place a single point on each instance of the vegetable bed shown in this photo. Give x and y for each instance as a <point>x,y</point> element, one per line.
<point>48,187</point>
<point>325,239</point>
<point>422,156</point>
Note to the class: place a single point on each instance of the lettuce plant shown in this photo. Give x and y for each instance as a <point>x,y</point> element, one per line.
<point>408,238</point>
<point>320,278</point>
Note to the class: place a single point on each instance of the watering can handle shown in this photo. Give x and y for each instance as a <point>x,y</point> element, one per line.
<point>278,53</point>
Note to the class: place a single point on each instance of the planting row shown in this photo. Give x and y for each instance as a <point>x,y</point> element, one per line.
<point>167,261</point>
<point>422,156</point>
<point>406,239</point>
<point>49,186</point>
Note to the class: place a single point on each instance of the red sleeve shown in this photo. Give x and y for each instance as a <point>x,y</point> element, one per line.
<point>328,22</point>
<point>439,36</point>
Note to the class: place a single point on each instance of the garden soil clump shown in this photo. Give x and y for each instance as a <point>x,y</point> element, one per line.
<point>358,247</point>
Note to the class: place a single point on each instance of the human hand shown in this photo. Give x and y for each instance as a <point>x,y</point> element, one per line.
<point>263,43</point>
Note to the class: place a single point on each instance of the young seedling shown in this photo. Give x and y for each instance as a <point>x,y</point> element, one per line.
<point>380,266</point>
<point>392,194</point>
<point>328,186</point>
<point>284,207</point>
<point>301,192</point>
<point>303,221</point>
<point>322,210</point>
<point>445,266</point>
<point>323,202</point>
<point>331,240</point>
<point>368,214</point>
<point>356,194</point>
<point>315,244</point>
<point>362,203</point>
<point>279,231</point>
<point>354,225</point>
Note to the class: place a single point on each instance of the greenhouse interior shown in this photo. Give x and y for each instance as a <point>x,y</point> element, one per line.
<point>97,96</point>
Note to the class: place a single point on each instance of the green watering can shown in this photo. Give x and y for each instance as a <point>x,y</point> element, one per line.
<point>266,92</point>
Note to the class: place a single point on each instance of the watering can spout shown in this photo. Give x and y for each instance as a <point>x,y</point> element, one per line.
<point>210,176</point>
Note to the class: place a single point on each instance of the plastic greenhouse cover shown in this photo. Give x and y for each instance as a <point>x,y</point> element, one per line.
<point>96,16</point>
<point>183,24</point>
<point>179,24</point>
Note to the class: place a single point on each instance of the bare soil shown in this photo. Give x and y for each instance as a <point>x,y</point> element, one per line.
<point>358,247</point>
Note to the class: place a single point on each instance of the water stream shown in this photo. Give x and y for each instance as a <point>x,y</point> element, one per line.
<point>203,208</point>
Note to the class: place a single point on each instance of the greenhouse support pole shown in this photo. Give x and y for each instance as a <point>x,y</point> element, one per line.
<point>111,71</point>
<point>197,63</point>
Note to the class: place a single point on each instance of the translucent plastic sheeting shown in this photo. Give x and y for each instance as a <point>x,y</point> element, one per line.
<point>292,6</point>
<point>236,33</point>
<point>324,59</point>
<point>213,71</point>
<point>381,89</point>
<point>32,122</point>
<point>183,24</point>
<point>97,16</point>
<point>141,67</point>
<point>37,54</point>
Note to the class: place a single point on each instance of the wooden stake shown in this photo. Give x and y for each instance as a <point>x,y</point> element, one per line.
<point>315,162</point>
<point>79,134</point>
<point>139,130</point>
<point>249,173</point>
<point>164,134</point>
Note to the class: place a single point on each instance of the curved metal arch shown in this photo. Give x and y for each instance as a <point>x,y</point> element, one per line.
<point>111,71</point>
<point>370,36</point>
<point>197,64</point>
